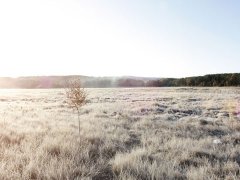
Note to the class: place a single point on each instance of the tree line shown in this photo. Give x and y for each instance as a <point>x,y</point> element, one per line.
<point>231,79</point>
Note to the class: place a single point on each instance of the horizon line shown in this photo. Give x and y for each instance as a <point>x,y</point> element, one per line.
<point>121,76</point>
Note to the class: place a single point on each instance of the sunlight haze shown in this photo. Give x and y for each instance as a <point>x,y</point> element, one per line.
<point>154,38</point>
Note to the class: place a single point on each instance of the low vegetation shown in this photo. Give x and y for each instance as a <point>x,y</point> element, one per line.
<point>141,133</point>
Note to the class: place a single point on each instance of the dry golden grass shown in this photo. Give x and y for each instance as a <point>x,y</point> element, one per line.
<point>155,133</point>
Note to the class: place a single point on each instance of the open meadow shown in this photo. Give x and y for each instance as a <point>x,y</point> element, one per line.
<point>136,133</point>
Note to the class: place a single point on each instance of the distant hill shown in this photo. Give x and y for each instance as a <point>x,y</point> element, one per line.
<point>34,82</point>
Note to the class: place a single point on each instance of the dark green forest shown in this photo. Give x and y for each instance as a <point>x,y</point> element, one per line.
<point>231,79</point>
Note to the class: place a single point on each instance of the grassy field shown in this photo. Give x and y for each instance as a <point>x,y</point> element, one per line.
<point>154,133</point>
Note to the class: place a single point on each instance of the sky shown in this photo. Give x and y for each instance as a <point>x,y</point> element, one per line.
<point>150,38</point>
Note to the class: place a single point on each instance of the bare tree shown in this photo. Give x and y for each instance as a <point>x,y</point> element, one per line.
<point>76,97</point>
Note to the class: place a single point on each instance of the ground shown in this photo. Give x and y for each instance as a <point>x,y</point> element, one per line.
<point>138,133</point>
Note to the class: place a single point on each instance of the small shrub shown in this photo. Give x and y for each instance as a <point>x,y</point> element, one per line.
<point>76,97</point>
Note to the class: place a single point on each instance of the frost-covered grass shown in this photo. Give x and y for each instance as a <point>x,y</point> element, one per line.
<point>153,133</point>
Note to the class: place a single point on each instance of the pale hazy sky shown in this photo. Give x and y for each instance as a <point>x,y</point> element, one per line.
<point>161,38</point>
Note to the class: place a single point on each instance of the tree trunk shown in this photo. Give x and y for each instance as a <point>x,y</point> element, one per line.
<point>78,121</point>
